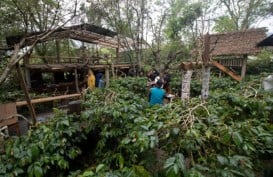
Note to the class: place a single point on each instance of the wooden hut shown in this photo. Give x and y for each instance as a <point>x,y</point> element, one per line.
<point>232,49</point>
<point>229,51</point>
<point>66,74</point>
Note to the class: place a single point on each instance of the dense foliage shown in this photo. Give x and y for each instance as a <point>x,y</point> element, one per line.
<point>229,135</point>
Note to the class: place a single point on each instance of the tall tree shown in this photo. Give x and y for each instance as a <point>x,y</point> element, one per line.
<point>243,13</point>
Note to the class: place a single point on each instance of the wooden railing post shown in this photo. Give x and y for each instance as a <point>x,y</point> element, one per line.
<point>28,99</point>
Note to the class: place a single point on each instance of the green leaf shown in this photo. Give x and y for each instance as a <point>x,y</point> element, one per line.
<point>222,160</point>
<point>99,167</point>
<point>65,122</point>
<point>169,162</point>
<point>208,134</point>
<point>126,140</point>
<point>121,161</point>
<point>38,171</point>
<point>18,171</point>
<point>87,173</point>
<point>226,137</point>
<point>175,168</point>
<point>141,171</point>
<point>180,161</point>
<point>35,170</point>
<point>175,131</point>
<point>35,152</point>
<point>237,138</point>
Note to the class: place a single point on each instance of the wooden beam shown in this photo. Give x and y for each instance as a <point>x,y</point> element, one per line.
<point>28,99</point>
<point>107,77</point>
<point>47,99</point>
<point>57,42</point>
<point>191,65</point>
<point>76,80</point>
<point>226,70</point>
<point>205,54</point>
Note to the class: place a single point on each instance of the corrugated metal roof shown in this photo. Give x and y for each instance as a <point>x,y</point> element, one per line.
<point>84,32</point>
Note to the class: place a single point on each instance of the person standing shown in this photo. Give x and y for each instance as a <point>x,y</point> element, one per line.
<point>101,82</point>
<point>153,77</point>
<point>157,94</point>
<point>99,76</point>
<point>166,81</point>
<point>91,80</point>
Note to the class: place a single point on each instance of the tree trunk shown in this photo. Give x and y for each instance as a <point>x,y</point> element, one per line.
<point>186,84</point>
<point>205,82</point>
<point>14,59</point>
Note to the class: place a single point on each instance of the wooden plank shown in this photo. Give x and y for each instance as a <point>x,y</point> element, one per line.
<point>107,77</point>
<point>227,71</point>
<point>6,111</point>
<point>76,81</point>
<point>24,88</point>
<point>8,122</point>
<point>41,100</point>
<point>190,65</point>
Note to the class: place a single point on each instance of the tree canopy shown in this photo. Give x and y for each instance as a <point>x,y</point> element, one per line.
<point>168,28</point>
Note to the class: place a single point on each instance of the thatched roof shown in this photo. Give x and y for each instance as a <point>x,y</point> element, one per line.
<point>237,43</point>
<point>84,32</point>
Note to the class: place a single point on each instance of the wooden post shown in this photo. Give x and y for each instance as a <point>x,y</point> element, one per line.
<point>113,70</point>
<point>205,54</point>
<point>28,79</point>
<point>107,78</point>
<point>27,71</point>
<point>76,80</point>
<point>117,50</point>
<point>57,50</point>
<point>243,70</point>
<point>28,99</point>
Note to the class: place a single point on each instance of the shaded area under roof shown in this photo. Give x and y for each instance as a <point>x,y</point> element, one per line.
<point>266,42</point>
<point>237,43</point>
<point>84,32</point>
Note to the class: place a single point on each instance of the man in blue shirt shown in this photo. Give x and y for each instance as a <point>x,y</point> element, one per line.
<point>99,76</point>
<point>156,95</point>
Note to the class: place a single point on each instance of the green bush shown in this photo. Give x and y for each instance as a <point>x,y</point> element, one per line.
<point>229,135</point>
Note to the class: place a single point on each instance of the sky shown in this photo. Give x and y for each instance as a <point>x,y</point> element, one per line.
<point>268,23</point>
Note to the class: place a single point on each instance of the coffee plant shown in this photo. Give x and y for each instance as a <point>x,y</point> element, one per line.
<point>119,134</point>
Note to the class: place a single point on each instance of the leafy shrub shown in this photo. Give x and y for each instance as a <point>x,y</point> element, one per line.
<point>45,150</point>
<point>229,135</point>
<point>224,137</point>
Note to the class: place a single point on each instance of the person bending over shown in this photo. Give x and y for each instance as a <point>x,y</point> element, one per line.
<point>156,94</point>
